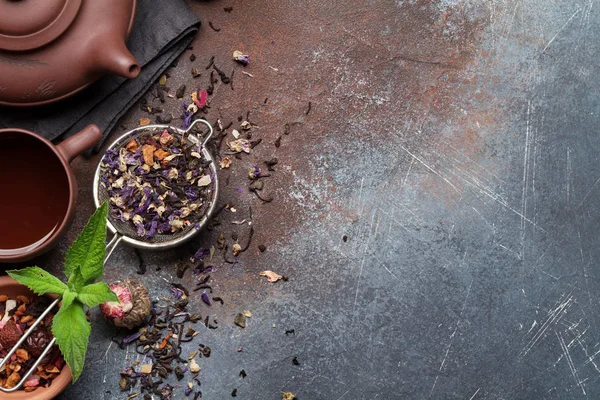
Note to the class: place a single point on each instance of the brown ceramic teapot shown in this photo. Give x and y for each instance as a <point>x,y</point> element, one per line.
<point>51,49</point>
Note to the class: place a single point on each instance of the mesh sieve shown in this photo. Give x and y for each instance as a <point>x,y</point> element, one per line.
<point>125,231</point>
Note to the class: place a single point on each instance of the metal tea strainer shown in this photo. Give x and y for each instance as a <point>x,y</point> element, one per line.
<point>124,231</point>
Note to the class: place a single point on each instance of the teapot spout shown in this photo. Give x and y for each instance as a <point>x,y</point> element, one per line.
<point>115,57</point>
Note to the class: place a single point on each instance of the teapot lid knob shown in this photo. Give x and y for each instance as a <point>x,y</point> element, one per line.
<point>29,24</point>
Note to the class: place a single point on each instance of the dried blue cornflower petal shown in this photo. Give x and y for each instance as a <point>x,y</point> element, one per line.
<point>205,298</point>
<point>131,338</point>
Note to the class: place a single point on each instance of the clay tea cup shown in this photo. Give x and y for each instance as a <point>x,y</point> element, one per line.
<point>38,190</point>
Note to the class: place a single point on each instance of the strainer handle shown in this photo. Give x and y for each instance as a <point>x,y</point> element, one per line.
<point>210,129</point>
<point>112,244</point>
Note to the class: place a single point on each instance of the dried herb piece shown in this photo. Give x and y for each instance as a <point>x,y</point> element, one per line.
<point>224,78</point>
<point>262,248</point>
<point>295,361</point>
<point>286,129</point>
<point>213,28</point>
<point>180,92</point>
<point>210,63</point>
<point>345,238</point>
<point>290,332</point>
<point>192,57</point>
<point>271,163</point>
<point>287,396</point>
<point>164,118</point>
<point>243,374</point>
<point>240,57</point>
<point>196,73</point>
<point>142,265</point>
<point>228,9</point>
<point>240,320</point>
<point>160,93</point>
<point>278,141</point>
<point>309,107</point>
<point>194,367</point>
<point>234,393</point>
<point>178,373</point>
<point>271,276</point>
<point>218,300</point>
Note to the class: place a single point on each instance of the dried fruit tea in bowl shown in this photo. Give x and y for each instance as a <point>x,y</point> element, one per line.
<point>158,183</point>
<point>16,316</point>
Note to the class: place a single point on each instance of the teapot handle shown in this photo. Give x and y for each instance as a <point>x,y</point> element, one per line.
<point>87,138</point>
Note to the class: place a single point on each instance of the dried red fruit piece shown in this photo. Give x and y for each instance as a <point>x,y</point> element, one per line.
<point>37,341</point>
<point>9,334</point>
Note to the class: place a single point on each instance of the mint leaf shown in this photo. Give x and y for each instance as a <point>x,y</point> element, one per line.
<point>95,294</point>
<point>88,251</point>
<point>68,298</point>
<point>38,280</point>
<point>76,281</point>
<point>71,330</point>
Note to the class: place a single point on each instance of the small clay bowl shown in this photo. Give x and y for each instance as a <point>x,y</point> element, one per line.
<point>12,288</point>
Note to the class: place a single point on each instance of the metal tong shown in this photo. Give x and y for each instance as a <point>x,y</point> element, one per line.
<point>20,342</point>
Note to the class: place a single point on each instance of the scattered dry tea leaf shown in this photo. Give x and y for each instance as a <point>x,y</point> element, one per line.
<point>192,354</point>
<point>271,276</point>
<point>144,121</point>
<point>240,320</point>
<point>194,367</point>
<point>148,153</point>
<point>246,125</point>
<point>235,134</point>
<point>146,369</point>
<point>247,314</point>
<point>287,396</point>
<point>163,80</point>
<point>132,146</point>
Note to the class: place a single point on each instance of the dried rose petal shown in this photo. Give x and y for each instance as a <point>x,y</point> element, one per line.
<point>200,98</point>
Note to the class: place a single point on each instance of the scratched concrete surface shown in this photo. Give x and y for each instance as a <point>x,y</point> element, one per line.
<point>455,143</point>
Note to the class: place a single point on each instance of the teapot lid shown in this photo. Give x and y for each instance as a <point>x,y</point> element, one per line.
<point>29,24</point>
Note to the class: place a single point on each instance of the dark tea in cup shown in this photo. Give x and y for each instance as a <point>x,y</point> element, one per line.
<point>35,193</point>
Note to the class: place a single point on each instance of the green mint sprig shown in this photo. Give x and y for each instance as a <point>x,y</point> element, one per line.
<point>84,263</point>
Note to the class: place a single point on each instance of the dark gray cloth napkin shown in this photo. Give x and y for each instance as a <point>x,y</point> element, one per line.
<point>162,31</point>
